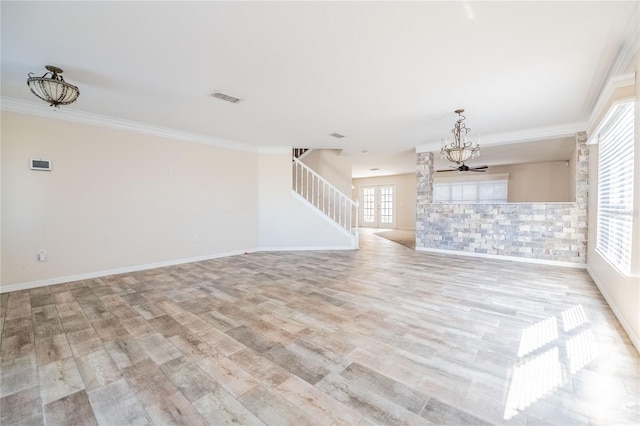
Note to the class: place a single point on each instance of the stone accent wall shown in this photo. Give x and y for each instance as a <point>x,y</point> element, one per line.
<point>424,197</point>
<point>543,231</point>
<point>424,175</point>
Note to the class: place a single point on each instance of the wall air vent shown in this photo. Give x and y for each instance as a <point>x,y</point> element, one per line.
<point>226,97</point>
<point>337,135</point>
<point>36,164</point>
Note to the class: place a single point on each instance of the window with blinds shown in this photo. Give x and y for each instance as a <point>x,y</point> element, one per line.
<point>494,191</point>
<point>615,186</point>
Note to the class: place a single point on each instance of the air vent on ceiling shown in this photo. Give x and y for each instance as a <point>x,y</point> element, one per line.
<point>225,97</point>
<point>337,135</point>
<point>375,169</point>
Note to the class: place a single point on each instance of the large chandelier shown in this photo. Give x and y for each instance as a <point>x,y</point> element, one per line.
<point>460,149</point>
<point>52,88</point>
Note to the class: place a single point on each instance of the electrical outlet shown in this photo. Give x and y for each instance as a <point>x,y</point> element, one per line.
<point>42,255</point>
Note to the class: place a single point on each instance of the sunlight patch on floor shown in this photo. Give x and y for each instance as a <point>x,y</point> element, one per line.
<point>544,363</point>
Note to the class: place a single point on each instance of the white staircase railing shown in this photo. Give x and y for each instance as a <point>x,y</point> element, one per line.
<point>337,206</point>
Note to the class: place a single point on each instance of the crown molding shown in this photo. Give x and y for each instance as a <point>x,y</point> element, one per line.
<point>631,45</point>
<point>606,95</point>
<point>520,136</point>
<point>621,63</point>
<point>65,114</point>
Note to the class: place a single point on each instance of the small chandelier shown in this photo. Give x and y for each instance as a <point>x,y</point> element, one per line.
<point>52,88</point>
<point>460,149</point>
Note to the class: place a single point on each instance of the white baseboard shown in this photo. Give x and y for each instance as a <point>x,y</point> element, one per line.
<point>635,339</point>
<point>128,269</point>
<point>310,248</point>
<point>501,257</point>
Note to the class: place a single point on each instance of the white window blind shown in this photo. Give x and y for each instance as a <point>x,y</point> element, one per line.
<point>615,187</point>
<point>485,191</point>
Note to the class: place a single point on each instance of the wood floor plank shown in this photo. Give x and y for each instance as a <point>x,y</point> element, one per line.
<point>317,404</point>
<point>59,379</point>
<point>23,407</point>
<point>308,369</point>
<point>221,341</point>
<point>189,378</point>
<point>382,385</point>
<point>266,371</point>
<point>219,409</point>
<point>376,407</point>
<point>74,409</point>
<point>148,382</point>
<point>380,335</point>
<point>158,348</point>
<point>117,403</point>
<point>52,349</point>
<point>175,410</point>
<point>18,373</point>
<point>97,369</point>
<point>228,374</point>
<point>273,409</point>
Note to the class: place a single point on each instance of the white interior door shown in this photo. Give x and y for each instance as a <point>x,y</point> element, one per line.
<point>377,206</point>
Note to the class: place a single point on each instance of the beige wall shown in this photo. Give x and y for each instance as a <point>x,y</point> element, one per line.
<point>117,199</point>
<point>538,182</point>
<point>332,166</point>
<point>405,196</point>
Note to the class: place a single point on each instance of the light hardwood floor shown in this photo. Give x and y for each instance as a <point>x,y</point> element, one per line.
<point>382,335</point>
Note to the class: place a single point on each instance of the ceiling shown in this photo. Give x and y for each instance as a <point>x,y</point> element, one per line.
<point>387,75</point>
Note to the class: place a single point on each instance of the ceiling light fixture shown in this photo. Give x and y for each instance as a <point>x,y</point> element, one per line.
<point>52,88</point>
<point>336,135</point>
<point>460,149</point>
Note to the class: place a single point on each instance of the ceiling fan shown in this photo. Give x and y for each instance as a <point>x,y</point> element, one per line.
<point>464,168</point>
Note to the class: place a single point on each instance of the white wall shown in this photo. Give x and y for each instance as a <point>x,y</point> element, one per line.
<point>285,221</point>
<point>117,199</point>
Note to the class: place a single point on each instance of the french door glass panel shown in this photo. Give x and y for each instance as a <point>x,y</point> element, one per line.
<point>378,206</point>
<point>368,205</point>
<point>386,205</point>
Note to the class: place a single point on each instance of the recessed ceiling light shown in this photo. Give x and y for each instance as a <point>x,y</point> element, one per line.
<point>337,135</point>
<point>225,97</point>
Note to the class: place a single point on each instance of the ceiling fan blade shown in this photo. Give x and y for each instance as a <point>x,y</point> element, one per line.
<point>477,170</point>
<point>479,167</point>
<point>447,170</point>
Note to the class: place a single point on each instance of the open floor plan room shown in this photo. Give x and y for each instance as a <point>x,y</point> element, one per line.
<point>383,335</point>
